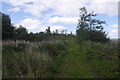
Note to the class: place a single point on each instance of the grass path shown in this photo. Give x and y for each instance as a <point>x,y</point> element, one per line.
<point>74,64</point>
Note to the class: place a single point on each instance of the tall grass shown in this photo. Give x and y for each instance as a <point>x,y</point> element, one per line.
<point>103,57</point>
<point>28,61</point>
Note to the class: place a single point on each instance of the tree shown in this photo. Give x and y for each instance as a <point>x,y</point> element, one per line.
<point>21,33</point>
<point>90,28</point>
<point>31,37</point>
<point>48,30</point>
<point>7,27</point>
<point>56,31</point>
<point>48,33</point>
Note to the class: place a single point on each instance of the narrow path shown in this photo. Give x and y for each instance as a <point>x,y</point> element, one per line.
<point>74,64</point>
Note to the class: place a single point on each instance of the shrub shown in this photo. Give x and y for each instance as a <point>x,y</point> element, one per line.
<point>25,63</point>
<point>103,58</point>
<point>54,49</point>
<point>28,61</point>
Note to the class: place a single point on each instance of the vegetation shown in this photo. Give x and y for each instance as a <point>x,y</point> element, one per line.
<point>103,57</point>
<point>21,33</point>
<point>55,55</point>
<point>7,29</point>
<point>28,61</point>
<point>89,27</point>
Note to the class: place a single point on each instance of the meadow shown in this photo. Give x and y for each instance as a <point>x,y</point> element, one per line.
<point>31,61</point>
<point>69,59</point>
<point>87,52</point>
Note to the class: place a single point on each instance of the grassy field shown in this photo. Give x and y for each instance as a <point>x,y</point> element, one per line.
<point>31,61</point>
<point>71,59</point>
<point>89,60</point>
<point>74,64</point>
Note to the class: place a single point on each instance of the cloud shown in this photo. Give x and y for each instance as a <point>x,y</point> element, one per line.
<point>114,31</point>
<point>35,9</point>
<point>15,2</point>
<point>34,25</point>
<point>69,8</point>
<point>30,24</point>
<point>104,7</point>
<point>64,20</point>
<point>16,9</point>
<point>115,26</point>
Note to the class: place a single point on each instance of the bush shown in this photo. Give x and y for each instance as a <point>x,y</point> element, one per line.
<point>29,61</point>
<point>92,35</point>
<point>103,58</point>
<point>54,49</point>
<point>26,63</point>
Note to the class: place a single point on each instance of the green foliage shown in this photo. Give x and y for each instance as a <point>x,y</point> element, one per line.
<point>7,28</point>
<point>28,61</point>
<point>31,37</point>
<point>97,36</point>
<point>103,57</point>
<point>54,49</point>
<point>25,63</point>
<point>21,33</point>
<point>55,65</point>
<point>10,32</point>
<point>89,28</point>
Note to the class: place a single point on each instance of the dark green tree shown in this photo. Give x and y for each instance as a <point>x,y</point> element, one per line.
<point>48,33</point>
<point>31,37</point>
<point>48,30</point>
<point>7,27</point>
<point>21,33</point>
<point>89,28</point>
<point>42,36</point>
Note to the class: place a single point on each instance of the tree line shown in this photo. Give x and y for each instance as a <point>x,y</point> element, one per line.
<point>11,32</point>
<point>88,29</point>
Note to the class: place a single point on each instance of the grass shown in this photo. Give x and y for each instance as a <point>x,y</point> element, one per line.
<point>30,61</point>
<point>89,60</point>
<point>74,64</point>
<point>103,57</point>
<point>71,59</point>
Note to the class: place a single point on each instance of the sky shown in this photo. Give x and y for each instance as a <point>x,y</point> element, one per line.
<point>37,15</point>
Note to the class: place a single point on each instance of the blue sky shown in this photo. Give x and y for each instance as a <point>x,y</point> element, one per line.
<point>37,15</point>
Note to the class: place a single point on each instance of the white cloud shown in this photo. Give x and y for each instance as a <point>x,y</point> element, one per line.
<point>15,2</point>
<point>115,26</point>
<point>16,9</point>
<point>109,8</point>
<point>64,20</point>
<point>35,9</point>
<point>68,8</point>
<point>114,31</point>
<point>30,24</point>
<point>34,25</point>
